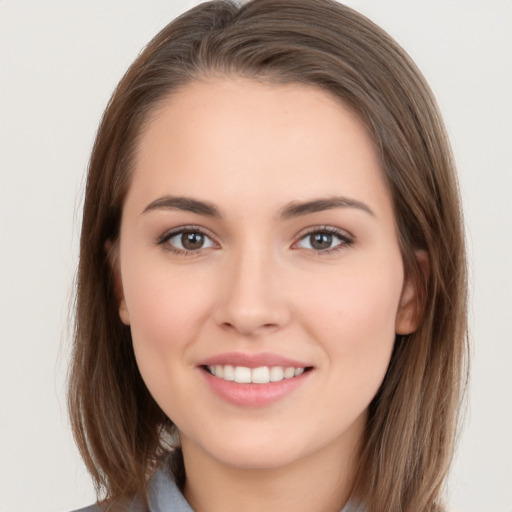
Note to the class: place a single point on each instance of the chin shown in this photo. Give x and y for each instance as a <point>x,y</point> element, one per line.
<point>253,451</point>
<point>258,458</point>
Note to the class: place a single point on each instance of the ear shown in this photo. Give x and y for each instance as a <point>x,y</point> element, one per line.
<point>409,310</point>
<point>111,248</point>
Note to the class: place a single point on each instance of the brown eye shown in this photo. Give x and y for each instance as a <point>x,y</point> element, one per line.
<point>324,240</point>
<point>320,241</point>
<point>192,241</point>
<point>188,241</point>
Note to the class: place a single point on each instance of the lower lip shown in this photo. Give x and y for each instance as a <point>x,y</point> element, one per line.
<point>253,395</point>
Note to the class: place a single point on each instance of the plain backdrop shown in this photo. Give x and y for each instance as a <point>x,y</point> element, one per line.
<point>59,62</point>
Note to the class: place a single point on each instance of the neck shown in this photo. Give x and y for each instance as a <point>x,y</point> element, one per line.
<point>320,482</point>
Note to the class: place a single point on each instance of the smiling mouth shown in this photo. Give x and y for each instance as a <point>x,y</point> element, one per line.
<point>259,375</point>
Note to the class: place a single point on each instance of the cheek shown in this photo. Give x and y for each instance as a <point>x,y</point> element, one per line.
<point>163,301</point>
<point>354,316</point>
<point>166,310</point>
<point>155,316</point>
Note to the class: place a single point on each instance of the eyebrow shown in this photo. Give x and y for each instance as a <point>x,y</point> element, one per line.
<point>296,209</point>
<point>293,209</point>
<point>186,204</point>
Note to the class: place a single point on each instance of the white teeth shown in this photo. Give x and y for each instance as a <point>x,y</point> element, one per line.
<point>260,375</point>
<point>276,374</point>
<point>229,373</point>
<point>242,375</point>
<point>289,372</point>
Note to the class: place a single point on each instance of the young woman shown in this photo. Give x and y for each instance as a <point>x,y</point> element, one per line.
<point>272,284</point>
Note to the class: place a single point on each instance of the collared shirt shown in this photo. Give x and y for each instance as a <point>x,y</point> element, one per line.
<point>164,496</point>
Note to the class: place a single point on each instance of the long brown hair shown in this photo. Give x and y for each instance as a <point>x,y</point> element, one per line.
<point>409,439</point>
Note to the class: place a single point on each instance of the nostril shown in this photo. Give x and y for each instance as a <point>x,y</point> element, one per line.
<point>248,319</point>
<point>249,326</point>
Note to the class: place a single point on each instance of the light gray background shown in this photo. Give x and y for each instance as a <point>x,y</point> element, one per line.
<point>59,62</point>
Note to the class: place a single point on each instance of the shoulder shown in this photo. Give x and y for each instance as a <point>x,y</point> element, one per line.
<point>164,495</point>
<point>354,506</point>
<point>133,506</point>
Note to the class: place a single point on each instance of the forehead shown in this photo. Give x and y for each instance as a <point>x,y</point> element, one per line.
<point>239,138</point>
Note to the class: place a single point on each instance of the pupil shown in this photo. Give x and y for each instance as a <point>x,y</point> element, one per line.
<point>321,241</point>
<point>192,241</point>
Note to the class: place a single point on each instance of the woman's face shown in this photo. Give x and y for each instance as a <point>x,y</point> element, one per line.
<point>258,241</point>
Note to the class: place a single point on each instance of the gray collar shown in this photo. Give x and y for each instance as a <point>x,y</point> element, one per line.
<point>166,497</point>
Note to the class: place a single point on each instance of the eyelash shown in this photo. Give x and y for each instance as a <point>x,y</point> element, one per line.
<point>164,239</point>
<point>345,239</point>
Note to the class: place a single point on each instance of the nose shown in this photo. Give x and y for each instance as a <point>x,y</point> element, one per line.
<point>253,295</point>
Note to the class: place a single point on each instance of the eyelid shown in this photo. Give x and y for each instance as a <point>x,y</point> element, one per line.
<point>345,237</point>
<point>165,237</point>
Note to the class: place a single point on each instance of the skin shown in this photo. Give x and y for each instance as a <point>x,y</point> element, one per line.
<point>258,285</point>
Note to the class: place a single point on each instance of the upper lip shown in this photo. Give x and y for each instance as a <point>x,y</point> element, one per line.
<point>252,360</point>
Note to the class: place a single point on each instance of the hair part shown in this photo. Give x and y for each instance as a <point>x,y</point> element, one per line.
<point>409,439</point>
